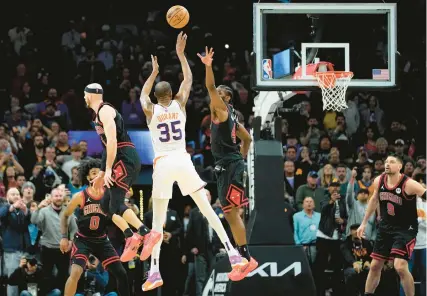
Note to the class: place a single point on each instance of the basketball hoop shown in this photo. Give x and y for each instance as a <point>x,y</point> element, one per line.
<point>334,86</point>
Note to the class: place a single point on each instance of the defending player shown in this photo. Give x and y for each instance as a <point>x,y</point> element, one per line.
<point>397,197</point>
<point>229,164</point>
<point>91,237</point>
<point>166,121</point>
<point>120,167</point>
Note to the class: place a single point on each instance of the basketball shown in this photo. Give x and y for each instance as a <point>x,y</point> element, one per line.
<point>177,16</point>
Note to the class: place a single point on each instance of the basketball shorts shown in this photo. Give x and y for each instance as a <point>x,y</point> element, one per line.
<point>100,247</point>
<point>393,243</point>
<point>176,167</point>
<point>231,184</point>
<point>126,167</point>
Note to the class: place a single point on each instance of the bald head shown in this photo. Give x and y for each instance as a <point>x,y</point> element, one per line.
<point>13,195</point>
<point>93,94</point>
<point>163,90</point>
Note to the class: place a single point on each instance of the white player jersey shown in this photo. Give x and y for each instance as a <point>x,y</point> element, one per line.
<point>167,129</point>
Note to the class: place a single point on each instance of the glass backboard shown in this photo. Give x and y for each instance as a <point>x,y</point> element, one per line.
<point>358,37</point>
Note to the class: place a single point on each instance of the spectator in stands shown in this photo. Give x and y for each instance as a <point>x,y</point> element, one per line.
<point>306,223</point>
<point>75,184</point>
<point>408,168</point>
<point>94,280</point>
<point>322,154</point>
<point>363,160</point>
<point>378,167</point>
<point>356,208</point>
<point>357,261</point>
<point>62,146</point>
<point>15,218</point>
<point>396,131</point>
<point>421,163</point>
<point>326,176</point>
<point>76,154</point>
<point>311,137</point>
<point>291,182</point>
<point>304,163</point>
<point>29,277</point>
<point>310,189</point>
<point>352,116</point>
<point>28,191</point>
<point>18,37</point>
<point>47,218</point>
<point>370,140</point>
<point>373,115</point>
<point>33,230</point>
<point>71,38</point>
<point>367,180</point>
<point>399,147</point>
<point>291,153</point>
<point>132,110</point>
<point>382,146</point>
<point>331,229</point>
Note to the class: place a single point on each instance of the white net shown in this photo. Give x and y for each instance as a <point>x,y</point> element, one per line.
<point>334,86</point>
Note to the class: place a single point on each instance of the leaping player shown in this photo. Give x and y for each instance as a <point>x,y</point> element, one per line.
<point>166,121</point>
<point>119,168</point>
<point>396,194</point>
<point>229,164</point>
<point>91,237</point>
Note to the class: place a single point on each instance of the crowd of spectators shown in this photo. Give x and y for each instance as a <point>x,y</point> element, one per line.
<point>327,156</point>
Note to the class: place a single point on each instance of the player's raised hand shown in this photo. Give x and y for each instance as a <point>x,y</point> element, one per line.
<point>208,57</point>
<point>108,179</point>
<point>181,41</point>
<point>155,64</point>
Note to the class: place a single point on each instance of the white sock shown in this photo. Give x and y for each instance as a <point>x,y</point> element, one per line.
<point>201,200</point>
<point>160,209</point>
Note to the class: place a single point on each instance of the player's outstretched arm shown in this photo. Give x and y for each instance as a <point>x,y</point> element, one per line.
<point>216,101</point>
<point>246,139</point>
<point>76,201</point>
<point>185,88</point>
<point>413,187</point>
<point>145,100</point>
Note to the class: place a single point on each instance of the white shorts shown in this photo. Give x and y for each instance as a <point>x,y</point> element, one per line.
<point>175,168</point>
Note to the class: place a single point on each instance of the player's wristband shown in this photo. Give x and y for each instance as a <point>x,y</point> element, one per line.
<point>65,236</point>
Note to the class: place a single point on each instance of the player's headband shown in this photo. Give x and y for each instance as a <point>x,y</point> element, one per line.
<point>94,90</point>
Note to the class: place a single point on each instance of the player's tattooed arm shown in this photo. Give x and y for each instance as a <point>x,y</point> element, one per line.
<point>413,187</point>
<point>107,115</point>
<point>246,139</point>
<point>185,88</point>
<point>75,202</point>
<point>216,102</point>
<point>145,100</point>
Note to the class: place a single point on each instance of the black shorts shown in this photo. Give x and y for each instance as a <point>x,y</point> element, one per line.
<point>100,247</point>
<point>231,184</point>
<point>393,243</point>
<point>126,167</point>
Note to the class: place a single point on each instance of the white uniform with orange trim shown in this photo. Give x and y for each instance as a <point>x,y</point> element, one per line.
<point>172,163</point>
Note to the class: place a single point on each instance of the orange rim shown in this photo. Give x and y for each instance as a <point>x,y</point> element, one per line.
<point>327,79</point>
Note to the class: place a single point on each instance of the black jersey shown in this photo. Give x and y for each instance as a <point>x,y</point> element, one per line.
<point>224,144</point>
<point>121,133</point>
<point>91,222</point>
<point>397,209</point>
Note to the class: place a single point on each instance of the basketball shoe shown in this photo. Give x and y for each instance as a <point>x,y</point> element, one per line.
<point>150,240</point>
<point>131,247</point>
<point>241,267</point>
<point>153,281</point>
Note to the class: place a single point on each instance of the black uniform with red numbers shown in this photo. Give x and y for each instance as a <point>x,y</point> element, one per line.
<point>230,168</point>
<point>126,166</point>
<point>399,226</point>
<point>91,237</point>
